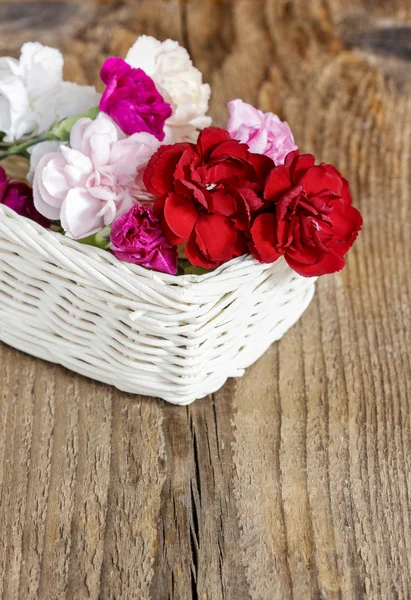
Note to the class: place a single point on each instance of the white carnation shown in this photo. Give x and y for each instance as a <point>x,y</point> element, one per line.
<point>33,95</point>
<point>179,82</point>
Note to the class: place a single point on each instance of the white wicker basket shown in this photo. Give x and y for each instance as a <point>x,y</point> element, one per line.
<point>178,338</point>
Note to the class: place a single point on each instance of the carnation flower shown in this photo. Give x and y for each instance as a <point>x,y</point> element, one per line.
<point>265,133</point>
<point>132,100</point>
<point>137,237</point>
<point>33,95</point>
<point>18,196</point>
<point>179,82</point>
<point>95,180</point>
<point>206,194</point>
<point>308,217</point>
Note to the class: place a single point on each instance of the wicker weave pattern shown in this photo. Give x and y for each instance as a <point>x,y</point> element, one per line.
<point>178,338</point>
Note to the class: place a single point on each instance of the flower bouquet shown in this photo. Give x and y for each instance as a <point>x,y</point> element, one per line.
<point>153,251</point>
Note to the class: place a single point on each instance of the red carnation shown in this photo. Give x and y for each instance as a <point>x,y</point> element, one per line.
<point>308,217</point>
<point>207,193</point>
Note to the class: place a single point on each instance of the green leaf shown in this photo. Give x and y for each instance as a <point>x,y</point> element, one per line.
<point>63,129</point>
<point>186,268</point>
<point>101,239</point>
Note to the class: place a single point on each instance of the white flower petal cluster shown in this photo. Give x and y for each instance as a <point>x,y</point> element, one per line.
<point>170,67</point>
<point>33,95</point>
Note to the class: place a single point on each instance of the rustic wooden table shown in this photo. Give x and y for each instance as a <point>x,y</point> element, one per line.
<point>295,481</point>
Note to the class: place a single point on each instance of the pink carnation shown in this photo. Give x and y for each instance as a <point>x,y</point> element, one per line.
<point>132,99</point>
<point>98,178</point>
<point>264,133</point>
<point>137,237</point>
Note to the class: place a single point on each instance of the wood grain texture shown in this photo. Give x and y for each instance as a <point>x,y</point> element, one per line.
<point>295,481</point>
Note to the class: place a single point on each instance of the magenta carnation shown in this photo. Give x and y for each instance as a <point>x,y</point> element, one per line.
<point>18,196</point>
<point>132,99</point>
<point>137,237</point>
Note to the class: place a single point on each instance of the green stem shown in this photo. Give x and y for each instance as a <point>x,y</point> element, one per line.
<point>22,147</point>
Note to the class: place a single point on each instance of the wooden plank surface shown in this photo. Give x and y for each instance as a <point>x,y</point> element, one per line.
<point>293,482</point>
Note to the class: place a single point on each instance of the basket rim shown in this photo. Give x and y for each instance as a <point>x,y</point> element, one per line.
<point>244,263</point>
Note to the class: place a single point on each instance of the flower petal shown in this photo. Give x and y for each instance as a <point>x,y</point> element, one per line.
<point>345,190</point>
<point>217,238</point>
<point>299,163</point>
<point>262,165</point>
<point>46,204</point>
<point>195,256</point>
<point>180,214</point>
<point>278,182</point>
<point>159,173</point>
<point>346,223</point>
<point>210,138</point>
<point>78,214</point>
<point>54,180</point>
<point>230,148</point>
<point>222,202</point>
<point>317,179</point>
<point>329,263</point>
<point>240,112</point>
<point>264,238</point>
<point>264,133</point>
